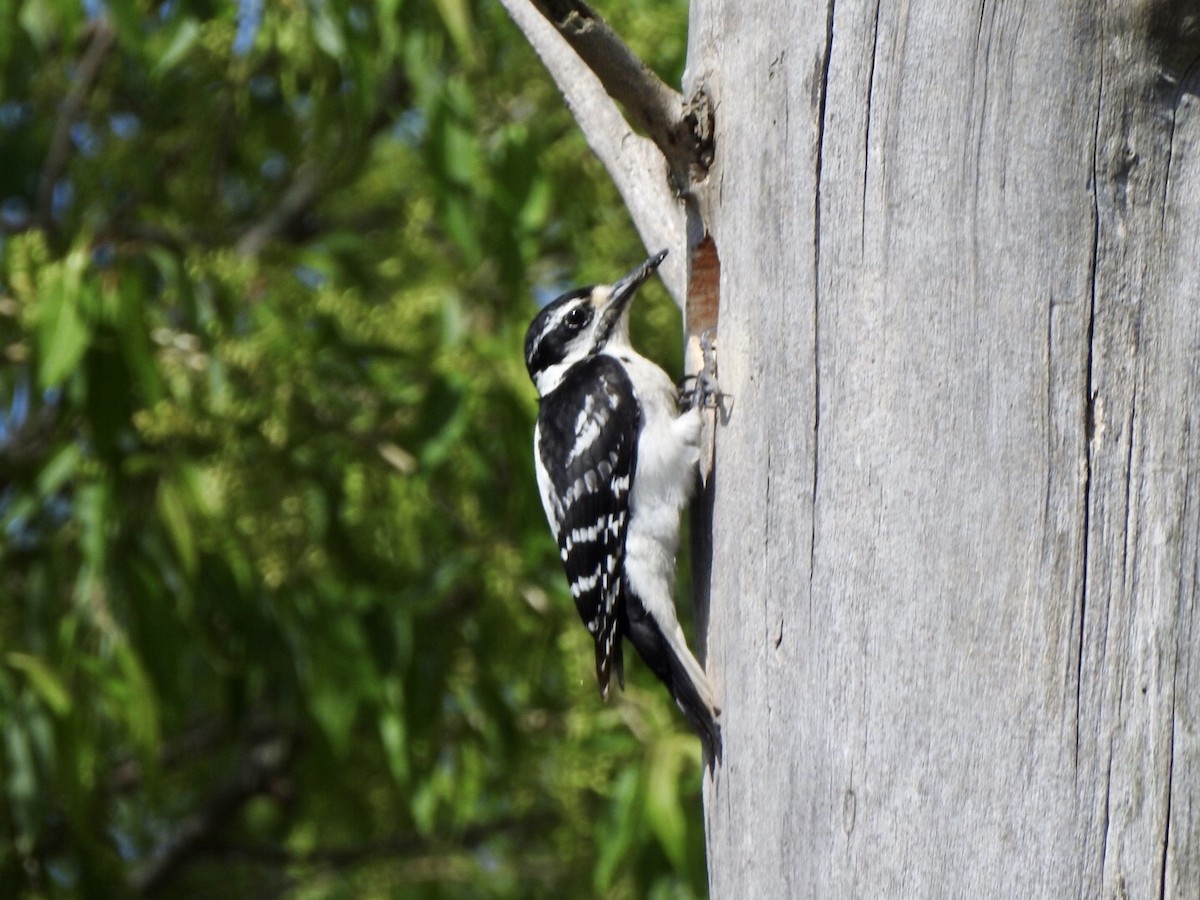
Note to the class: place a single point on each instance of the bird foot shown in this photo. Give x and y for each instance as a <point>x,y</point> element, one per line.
<point>701,390</point>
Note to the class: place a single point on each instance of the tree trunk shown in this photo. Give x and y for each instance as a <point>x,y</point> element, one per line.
<point>955,508</point>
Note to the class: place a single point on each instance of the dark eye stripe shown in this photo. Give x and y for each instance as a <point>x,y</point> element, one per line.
<point>556,328</point>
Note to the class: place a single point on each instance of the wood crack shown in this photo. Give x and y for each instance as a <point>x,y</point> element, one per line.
<point>1107,818</point>
<point>1130,525</point>
<point>976,252</point>
<point>816,304</point>
<point>867,125</point>
<point>1089,425</point>
<point>1166,840</point>
<point>766,557</point>
<point>1166,191</point>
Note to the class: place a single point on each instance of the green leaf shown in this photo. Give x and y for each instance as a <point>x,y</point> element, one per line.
<point>44,681</point>
<point>93,509</point>
<point>63,332</point>
<point>60,468</point>
<point>461,154</point>
<point>537,206</point>
<point>462,225</point>
<point>177,516</point>
<point>138,700</point>
<point>41,21</point>
<point>127,18</point>
<point>387,21</point>
<point>663,809</point>
<point>618,837</point>
<point>327,32</point>
<point>182,40</point>
<point>393,731</point>
<point>456,16</point>
<point>21,783</point>
<point>340,675</point>
<point>392,734</point>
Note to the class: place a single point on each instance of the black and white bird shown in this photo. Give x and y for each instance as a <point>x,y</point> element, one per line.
<point>616,463</point>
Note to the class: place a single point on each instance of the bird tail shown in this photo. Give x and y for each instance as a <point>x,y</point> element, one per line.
<point>668,656</point>
<point>609,660</point>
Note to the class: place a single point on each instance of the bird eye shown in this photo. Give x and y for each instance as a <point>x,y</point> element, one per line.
<point>578,317</point>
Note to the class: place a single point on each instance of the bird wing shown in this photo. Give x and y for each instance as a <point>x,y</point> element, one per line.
<point>587,439</point>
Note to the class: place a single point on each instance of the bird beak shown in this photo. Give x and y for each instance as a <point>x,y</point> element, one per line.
<point>622,292</point>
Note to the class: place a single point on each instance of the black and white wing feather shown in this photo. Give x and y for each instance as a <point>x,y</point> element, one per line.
<point>587,433</point>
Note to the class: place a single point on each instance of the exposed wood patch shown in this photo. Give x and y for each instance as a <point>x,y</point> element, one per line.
<point>704,288</point>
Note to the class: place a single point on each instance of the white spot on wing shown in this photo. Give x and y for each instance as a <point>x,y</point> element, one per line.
<point>588,582</point>
<point>587,429</point>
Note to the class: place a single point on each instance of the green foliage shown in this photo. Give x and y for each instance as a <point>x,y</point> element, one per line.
<point>279,613</point>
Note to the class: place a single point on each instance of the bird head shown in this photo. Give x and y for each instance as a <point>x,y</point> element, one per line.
<point>580,324</point>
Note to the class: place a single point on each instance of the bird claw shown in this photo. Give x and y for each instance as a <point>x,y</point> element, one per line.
<point>703,392</point>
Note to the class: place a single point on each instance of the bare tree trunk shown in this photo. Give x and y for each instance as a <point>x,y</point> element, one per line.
<point>956,502</point>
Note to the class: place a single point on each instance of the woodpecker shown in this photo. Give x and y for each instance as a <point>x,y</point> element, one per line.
<point>616,462</point>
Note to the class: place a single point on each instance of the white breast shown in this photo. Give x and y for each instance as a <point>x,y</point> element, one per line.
<point>668,451</point>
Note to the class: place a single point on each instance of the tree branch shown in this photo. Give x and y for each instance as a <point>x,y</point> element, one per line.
<point>57,156</point>
<point>655,108</point>
<point>201,737</point>
<point>636,165</point>
<point>295,203</point>
<point>312,177</point>
<point>265,761</point>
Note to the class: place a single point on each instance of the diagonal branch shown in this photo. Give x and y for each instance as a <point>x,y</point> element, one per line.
<point>654,107</point>
<point>103,37</point>
<point>314,177</point>
<point>264,762</point>
<point>637,167</point>
<point>297,201</point>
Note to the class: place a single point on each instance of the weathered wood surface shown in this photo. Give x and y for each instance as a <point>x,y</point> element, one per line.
<point>956,511</point>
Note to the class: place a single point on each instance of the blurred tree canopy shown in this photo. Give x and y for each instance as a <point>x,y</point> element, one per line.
<point>279,613</point>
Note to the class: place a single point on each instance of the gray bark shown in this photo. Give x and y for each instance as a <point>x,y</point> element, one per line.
<point>955,508</point>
